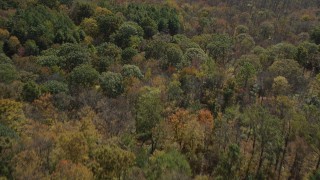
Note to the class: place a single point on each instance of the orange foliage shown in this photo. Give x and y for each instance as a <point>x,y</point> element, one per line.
<point>205,118</point>
<point>189,71</point>
<point>178,118</point>
<point>46,71</point>
<point>158,82</point>
<point>45,108</point>
<point>188,132</point>
<point>178,121</point>
<point>171,69</point>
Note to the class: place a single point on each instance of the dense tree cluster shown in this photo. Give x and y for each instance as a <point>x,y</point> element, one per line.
<point>176,89</point>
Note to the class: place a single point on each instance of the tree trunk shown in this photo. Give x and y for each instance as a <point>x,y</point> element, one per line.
<point>283,155</point>
<point>251,158</point>
<point>318,163</point>
<point>296,167</point>
<point>153,146</point>
<point>277,162</point>
<point>260,160</point>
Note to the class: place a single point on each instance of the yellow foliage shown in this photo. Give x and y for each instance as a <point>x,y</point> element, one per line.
<point>75,139</point>
<point>314,86</point>
<point>148,74</point>
<point>193,136</point>
<point>112,162</point>
<point>173,4</point>
<point>187,130</point>
<point>201,177</point>
<point>87,127</point>
<point>14,42</point>
<point>100,11</point>
<point>72,146</point>
<point>4,34</point>
<point>159,82</point>
<point>67,170</point>
<point>189,71</point>
<point>11,114</point>
<point>27,165</point>
<point>88,40</point>
<point>90,26</point>
<point>45,107</point>
<point>280,85</point>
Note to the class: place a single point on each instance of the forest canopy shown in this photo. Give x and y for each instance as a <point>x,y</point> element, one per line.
<point>149,89</point>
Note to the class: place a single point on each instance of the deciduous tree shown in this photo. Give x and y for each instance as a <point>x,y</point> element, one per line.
<point>83,76</point>
<point>148,111</point>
